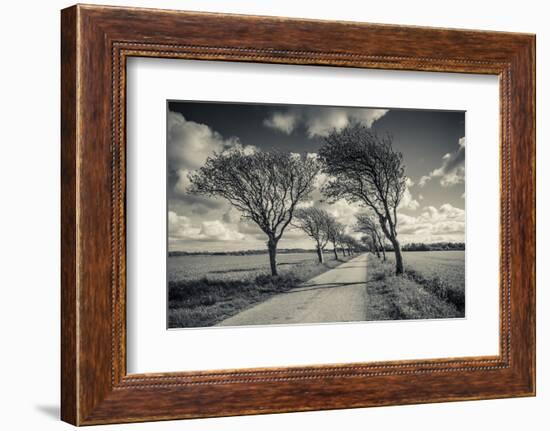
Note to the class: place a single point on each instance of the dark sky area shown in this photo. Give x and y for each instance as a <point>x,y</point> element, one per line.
<point>421,135</point>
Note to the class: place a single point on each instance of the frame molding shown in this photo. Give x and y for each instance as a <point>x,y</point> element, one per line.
<point>96,41</point>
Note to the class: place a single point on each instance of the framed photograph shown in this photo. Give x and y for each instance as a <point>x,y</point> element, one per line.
<point>303,203</point>
<point>267,215</point>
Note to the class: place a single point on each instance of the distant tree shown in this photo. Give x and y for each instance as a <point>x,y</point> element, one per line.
<point>367,225</point>
<point>367,242</point>
<point>315,223</point>
<point>349,247</point>
<point>354,245</point>
<point>342,248</point>
<point>365,168</point>
<point>335,234</point>
<point>434,246</point>
<point>344,245</point>
<point>264,186</point>
<point>371,243</point>
<point>349,244</point>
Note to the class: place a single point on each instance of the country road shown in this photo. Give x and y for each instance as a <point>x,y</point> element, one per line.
<point>338,295</point>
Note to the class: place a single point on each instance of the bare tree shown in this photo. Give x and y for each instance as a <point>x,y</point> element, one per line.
<point>264,187</point>
<point>315,223</point>
<point>367,225</point>
<point>365,168</point>
<point>335,234</point>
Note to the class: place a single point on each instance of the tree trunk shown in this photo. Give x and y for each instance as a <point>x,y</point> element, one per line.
<point>320,254</point>
<point>383,252</point>
<point>398,256</point>
<point>272,248</point>
<point>389,232</point>
<point>375,244</point>
<point>335,253</point>
<point>343,251</point>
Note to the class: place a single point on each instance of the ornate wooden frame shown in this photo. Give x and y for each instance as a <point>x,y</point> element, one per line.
<point>95,42</point>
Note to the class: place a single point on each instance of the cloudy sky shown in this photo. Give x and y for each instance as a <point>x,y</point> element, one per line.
<point>432,143</point>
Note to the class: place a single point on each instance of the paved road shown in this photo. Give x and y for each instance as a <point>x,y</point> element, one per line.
<point>338,295</point>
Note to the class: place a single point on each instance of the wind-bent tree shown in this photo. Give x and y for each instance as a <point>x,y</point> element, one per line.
<point>342,242</point>
<point>335,234</point>
<point>264,187</point>
<point>365,168</point>
<point>366,240</point>
<point>315,223</point>
<point>349,244</point>
<point>367,225</point>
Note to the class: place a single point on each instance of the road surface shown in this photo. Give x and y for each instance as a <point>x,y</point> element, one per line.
<point>338,295</point>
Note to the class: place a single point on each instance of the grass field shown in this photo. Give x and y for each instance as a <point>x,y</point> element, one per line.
<point>445,265</point>
<point>433,286</point>
<point>215,267</point>
<point>204,290</point>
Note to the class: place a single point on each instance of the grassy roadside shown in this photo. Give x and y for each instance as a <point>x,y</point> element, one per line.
<point>205,302</point>
<point>440,289</point>
<point>406,297</point>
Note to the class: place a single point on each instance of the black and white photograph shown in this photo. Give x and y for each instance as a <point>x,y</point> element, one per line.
<point>306,214</point>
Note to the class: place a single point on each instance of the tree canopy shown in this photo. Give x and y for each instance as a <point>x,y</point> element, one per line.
<point>264,186</point>
<point>315,222</point>
<point>363,167</point>
<point>366,224</point>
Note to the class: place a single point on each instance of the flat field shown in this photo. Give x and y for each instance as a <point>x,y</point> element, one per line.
<point>447,265</point>
<point>216,267</point>
<point>440,273</point>
<point>206,289</point>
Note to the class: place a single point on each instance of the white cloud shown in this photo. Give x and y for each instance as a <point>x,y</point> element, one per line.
<point>423,180</point>
<point>407,201</point>
<point>284,122</point>
<point>246,149</point>
<point>343,211</point>
<point>181,227</point>
<point>232,215</point>
<point>250,228</point>
<point>446,223</point>
<point>320,180</point>
<point>321,120</point>
<point>183,181</point>
<point>305,204</point>
<point>216,230</point>
<point>293,234</point>
<point>325,120</point>
<point>190,144</point>
<point>452,169</point>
